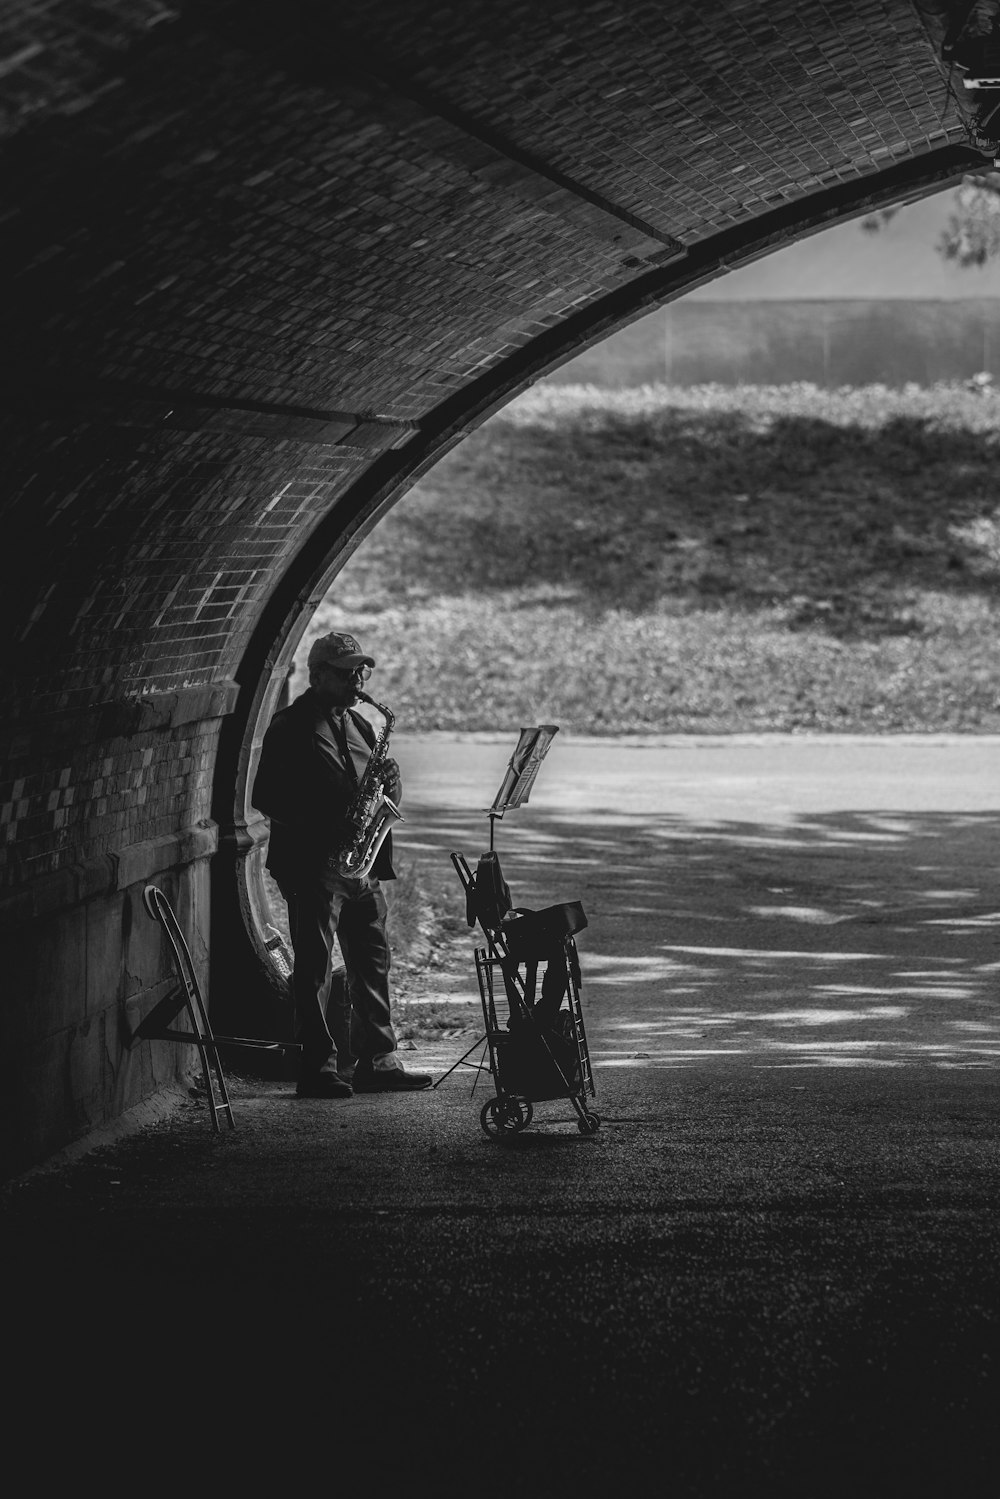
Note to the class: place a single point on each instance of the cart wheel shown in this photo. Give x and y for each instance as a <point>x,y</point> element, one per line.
<point>502,1116</point>
<point>589,1124</point>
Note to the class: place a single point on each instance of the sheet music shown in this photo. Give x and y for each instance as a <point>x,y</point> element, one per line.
<point>519,777</point>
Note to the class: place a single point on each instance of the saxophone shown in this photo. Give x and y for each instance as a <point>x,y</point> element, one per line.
<point>371,814</point>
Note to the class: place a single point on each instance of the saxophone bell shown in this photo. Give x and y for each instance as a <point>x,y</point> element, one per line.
<point>358,856</point>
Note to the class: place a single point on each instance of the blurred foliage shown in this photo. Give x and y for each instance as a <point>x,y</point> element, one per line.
<point>679,560</point>
<point>873,222</point>
<point>972,235</point>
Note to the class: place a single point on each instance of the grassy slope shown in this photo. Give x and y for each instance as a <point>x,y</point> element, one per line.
<point>694,560</point>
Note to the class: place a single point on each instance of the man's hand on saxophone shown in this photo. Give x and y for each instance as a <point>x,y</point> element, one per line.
<point>392,785</point>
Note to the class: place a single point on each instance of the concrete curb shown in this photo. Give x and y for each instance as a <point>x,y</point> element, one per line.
<point>156,1109</point>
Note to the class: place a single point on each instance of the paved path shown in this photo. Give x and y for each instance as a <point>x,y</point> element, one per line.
<point>781,902</point>
<point>772,1271</point>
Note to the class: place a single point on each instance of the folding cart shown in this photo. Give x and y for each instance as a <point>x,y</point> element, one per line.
<point>534,1031</point>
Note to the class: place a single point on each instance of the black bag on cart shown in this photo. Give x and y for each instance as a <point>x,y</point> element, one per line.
<point>528,934</point>
<point>535,937</point>
<point>533,934</point>
<point>539,1062</point>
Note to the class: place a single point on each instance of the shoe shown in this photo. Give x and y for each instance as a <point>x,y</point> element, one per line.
<point>395,1080</point>
<point>323,1085</point>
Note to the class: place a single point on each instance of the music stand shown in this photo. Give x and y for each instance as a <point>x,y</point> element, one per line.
<point>515,788</point>
<point>519,777</point>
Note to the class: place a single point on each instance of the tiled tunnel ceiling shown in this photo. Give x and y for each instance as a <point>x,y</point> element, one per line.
<point>691,117</point>
<point>253,200</point>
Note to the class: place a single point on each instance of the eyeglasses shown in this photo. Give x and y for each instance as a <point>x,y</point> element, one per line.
<point>364,672</point>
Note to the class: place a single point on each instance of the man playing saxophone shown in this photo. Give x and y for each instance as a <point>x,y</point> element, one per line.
<point>311,783</point>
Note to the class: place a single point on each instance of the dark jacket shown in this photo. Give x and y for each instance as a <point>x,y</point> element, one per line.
<point>304,788</point>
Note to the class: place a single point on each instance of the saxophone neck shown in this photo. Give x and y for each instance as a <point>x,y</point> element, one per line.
<point>381,707</point>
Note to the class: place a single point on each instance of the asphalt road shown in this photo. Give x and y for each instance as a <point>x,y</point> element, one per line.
<point>774,1268</point>
<point>772,902</point>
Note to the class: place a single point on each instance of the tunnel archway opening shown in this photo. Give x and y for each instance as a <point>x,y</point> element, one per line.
<point>868,580</point>
<point>242,914</point>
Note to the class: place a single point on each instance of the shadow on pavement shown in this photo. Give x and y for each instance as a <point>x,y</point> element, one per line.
<point>839,940</point>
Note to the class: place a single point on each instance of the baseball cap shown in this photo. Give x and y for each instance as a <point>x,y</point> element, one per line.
<point>338,650</point>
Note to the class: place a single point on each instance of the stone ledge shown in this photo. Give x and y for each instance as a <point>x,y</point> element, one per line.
<point>106,874</point>
<point>138,861</point>
<point>165,1104</point>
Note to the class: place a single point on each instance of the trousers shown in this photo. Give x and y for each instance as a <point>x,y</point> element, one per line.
<point>340,1023</point>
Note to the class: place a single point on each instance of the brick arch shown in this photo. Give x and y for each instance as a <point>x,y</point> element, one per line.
<point>243,967</point>
<point>263,272</point>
